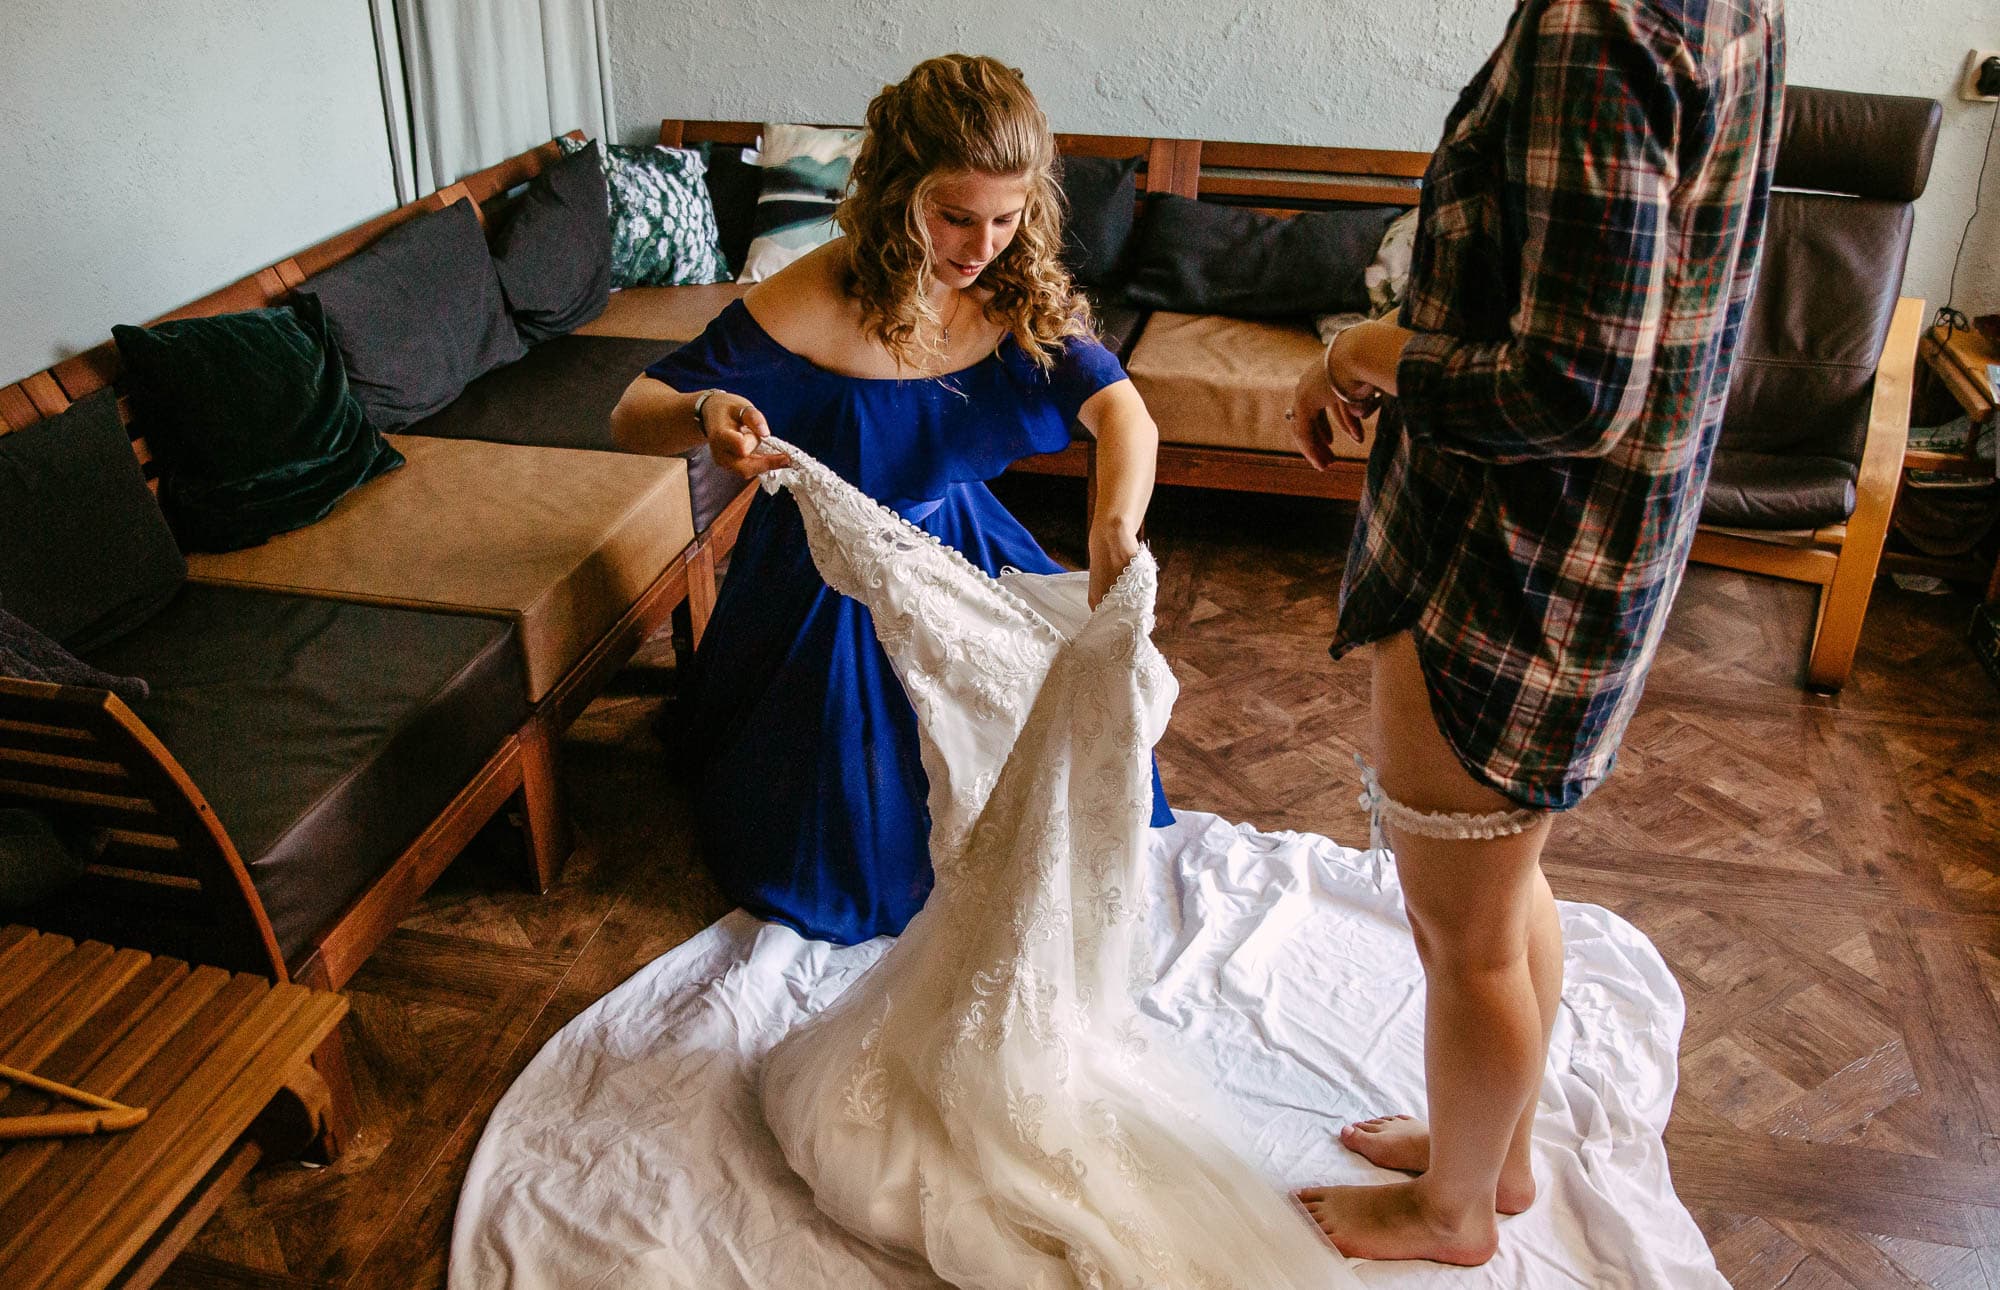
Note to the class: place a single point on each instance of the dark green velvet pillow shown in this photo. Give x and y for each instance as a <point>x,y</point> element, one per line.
<point>251,421</point>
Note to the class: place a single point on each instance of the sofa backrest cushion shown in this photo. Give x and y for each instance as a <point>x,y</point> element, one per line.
<point>1866,145</point>
<point>1102,195</point>
<point>734,180</point>
<point>88,555</point>
<point>250,419</point>
<point>806,169</point>
<point>553,252</point>
<point>417,315</point>
<point>663,230</point>
<point>1827,285</point>
<point>1204,257</point>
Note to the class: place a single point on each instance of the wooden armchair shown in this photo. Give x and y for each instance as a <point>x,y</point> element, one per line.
<point>82,758</point>
<point>1810,456</point>
<point>163,872</point>
<point>1841,558</point>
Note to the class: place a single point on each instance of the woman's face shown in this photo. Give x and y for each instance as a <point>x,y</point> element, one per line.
<point>971,218</point>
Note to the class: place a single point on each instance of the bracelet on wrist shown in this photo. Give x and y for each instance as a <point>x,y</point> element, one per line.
<point>701,401</point>
<point>1326,362</point>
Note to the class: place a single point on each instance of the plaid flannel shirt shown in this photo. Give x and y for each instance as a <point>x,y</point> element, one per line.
<point>1589,234</point>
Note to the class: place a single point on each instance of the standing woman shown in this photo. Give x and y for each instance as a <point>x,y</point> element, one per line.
<point>936,342</point>
<point>1550,398</point>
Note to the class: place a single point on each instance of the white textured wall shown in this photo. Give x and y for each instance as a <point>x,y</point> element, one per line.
<point>153,150</point>
<point>1378,74</point>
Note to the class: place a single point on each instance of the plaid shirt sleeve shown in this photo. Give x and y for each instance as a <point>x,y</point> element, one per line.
<point>1594,162</point>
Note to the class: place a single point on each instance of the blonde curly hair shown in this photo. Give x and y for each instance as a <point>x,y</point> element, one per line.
<point>954,115</point>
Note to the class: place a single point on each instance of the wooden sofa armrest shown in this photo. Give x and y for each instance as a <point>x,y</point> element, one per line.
<point>166,867</point>
<point>1844,603</point>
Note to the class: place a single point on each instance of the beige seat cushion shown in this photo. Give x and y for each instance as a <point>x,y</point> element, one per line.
<point>560,540</point>
<point>1216,382</point>
<point>663,313</point>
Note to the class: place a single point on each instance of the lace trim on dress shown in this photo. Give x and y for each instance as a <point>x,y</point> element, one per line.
<point>809,466</point>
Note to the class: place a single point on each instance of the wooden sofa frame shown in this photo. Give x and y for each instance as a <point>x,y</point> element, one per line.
<point>84,755</point>
<point>1285,179</point>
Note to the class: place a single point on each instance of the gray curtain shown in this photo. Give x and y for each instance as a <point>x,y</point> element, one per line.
<point>485,79</point>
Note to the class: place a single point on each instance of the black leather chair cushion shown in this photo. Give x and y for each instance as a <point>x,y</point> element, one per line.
<point>561,396</point>
<point>1826,290</point>
<point>1757,490</point>
<point>1870,145</point>
<point>326,735</point>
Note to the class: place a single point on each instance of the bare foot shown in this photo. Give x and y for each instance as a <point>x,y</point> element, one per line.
<point>1392,1221</point>
<point>1404,1142</point>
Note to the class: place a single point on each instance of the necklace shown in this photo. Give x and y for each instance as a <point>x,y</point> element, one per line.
<point>944,329</point>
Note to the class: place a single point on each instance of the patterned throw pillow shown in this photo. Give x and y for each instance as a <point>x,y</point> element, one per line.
<point>663,230</point>
<point>805,171</point>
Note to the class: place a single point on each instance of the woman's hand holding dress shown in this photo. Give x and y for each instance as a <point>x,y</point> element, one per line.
<point>736,431</point>
<point>1128,449</point>
<point>1112,547</point>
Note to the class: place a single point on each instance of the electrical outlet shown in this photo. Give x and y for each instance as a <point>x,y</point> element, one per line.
<point>1982,77</point>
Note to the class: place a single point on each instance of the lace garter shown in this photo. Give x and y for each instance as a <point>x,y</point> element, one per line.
<point>1452,825</point>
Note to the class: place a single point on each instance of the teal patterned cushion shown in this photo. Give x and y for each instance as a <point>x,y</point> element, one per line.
<point>805,172</point>
<point>663,230</point>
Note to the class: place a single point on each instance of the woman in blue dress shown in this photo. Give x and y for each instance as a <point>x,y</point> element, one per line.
<point>920,354</point>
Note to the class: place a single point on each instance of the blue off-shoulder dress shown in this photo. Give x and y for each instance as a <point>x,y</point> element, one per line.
<point>810,803</point>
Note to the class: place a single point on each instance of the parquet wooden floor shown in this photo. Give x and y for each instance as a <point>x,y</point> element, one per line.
<point>1823,875</point>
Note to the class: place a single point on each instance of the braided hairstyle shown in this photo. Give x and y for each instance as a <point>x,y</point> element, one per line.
<point>954,115</point>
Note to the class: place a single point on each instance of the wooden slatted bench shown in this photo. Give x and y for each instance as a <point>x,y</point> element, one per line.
<point>220,1061</point>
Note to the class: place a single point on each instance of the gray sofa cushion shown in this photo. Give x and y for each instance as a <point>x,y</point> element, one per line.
<point>553,252</point>
<point>417,315</point>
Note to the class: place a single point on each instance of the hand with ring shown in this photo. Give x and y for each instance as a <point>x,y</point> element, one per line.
<point>1319,404</point>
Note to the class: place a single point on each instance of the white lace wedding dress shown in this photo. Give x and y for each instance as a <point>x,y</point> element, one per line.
<point>984,1099</point>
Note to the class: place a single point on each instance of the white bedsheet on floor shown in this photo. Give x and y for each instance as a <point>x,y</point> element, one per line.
<point>631,1151</point>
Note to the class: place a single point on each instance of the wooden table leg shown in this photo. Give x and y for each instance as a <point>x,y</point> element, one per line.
<point>339,1116</point>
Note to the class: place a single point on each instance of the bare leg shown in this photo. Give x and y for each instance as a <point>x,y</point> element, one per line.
<point>1474,909</point>
<point>1404,1142</point>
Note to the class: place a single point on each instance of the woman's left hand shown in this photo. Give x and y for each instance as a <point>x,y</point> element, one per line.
<point>1111,549</point>
<point>1318,408</point>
